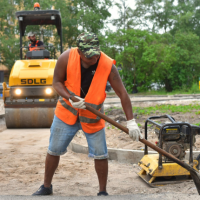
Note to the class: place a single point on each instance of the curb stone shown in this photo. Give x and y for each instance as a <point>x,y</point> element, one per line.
<point>122,155</point>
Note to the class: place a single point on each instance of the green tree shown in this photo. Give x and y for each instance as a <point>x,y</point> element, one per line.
<point>8,47</point>
<point>125,18</point>
<point>136,70</point>
<point>186,70</point>
<point>82,15</point>
<point>145,59</point>
<point>155,15</point>
<point>187,17</point>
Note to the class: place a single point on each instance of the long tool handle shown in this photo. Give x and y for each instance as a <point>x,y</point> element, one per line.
<point>149,144</point>
<point>194,174</point>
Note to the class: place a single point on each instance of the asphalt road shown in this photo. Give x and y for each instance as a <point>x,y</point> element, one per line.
<point>152,100</point>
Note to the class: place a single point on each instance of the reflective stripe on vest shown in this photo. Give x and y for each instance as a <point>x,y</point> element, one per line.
<point>65,105</point>
<point>73,111</point>
<point>89,120</point>
<point>33,48</point>
<point>81,118</point>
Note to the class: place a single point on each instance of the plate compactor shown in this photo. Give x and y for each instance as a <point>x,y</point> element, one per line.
<point>30,100</point>
<point>175,138</point>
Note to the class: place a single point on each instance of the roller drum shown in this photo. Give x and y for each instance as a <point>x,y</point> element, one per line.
<point>29,117</point>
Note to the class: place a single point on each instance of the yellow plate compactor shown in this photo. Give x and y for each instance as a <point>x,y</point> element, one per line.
<point>30,99</point>
<point>175,138</point>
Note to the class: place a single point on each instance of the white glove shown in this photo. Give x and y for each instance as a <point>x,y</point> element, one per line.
<point>80,104</point>
<point>134,131</point>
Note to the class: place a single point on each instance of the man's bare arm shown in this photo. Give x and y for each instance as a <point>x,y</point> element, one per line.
<point>117,85</point>
<point>41,47</point>
<point>60,75</point>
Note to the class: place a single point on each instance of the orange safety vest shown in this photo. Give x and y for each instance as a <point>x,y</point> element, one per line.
<point>33,48</point>
<point>95,97</point>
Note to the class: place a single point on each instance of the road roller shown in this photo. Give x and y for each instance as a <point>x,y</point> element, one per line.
<point>30,99</point>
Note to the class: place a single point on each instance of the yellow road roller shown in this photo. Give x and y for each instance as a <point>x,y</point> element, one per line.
<point>30,99</point>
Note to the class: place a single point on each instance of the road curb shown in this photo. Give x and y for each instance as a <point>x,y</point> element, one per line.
<point>153,100</point>
<point>113,95</point>
<point>122,155</point>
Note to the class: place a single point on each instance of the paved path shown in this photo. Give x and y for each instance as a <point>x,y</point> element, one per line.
<point>152,100</point>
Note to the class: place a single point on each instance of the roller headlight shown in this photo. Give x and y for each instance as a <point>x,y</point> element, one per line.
<point>48,91</point>
<point>18,91</point>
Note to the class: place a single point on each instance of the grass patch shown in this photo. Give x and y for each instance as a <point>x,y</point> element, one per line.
<point>166,109</point>
<point>198,124</point>
<point>162,109</point>
<point>197,113</point>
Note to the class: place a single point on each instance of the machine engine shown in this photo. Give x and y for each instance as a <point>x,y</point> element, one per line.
<point>176,139</point>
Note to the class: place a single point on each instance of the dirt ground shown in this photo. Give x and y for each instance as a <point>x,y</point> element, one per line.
<point>22,157</point>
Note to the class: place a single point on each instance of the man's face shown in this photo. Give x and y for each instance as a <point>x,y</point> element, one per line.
<point>89,61</point>
<point>32,38</point>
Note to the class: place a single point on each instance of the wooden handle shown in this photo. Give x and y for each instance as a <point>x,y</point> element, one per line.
<point>149,144</point>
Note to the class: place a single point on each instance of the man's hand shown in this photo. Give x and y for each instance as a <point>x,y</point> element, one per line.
<point>80,104</point>
<point>40,48</point>
<point>134,131</point>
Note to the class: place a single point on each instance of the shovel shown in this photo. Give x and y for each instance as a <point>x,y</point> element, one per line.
<point>194,174</point>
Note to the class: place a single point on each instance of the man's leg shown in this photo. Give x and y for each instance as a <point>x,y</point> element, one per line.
<point>51,165</point>
<point>101,167</point>
<point>98,150</point>
<point>61,136</point>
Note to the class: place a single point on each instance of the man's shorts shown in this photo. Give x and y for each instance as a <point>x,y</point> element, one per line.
<point>62,134</point>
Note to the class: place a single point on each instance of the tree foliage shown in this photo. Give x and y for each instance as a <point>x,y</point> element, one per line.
<point>145,59</point>
<point>170,58</point>
<point>156,42</point>
<point>82,15</point>
<point>7,30</point>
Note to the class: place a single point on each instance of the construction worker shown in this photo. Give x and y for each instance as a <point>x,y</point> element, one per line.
<point>35,45</point>
<point>36,6</point>
<point>83,72</point>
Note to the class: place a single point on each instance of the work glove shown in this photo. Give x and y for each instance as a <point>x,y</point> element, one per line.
<point>133,130</point>
<point>80,104</point>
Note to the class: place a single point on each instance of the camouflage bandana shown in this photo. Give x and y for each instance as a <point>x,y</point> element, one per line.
<point>88,43</point>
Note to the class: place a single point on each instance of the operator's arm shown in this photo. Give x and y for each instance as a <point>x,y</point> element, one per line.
<point>40,46</point>
<point>60,75</point>
<point>117,85</point>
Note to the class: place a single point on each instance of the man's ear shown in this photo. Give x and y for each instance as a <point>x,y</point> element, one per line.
<point>28,37</point>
